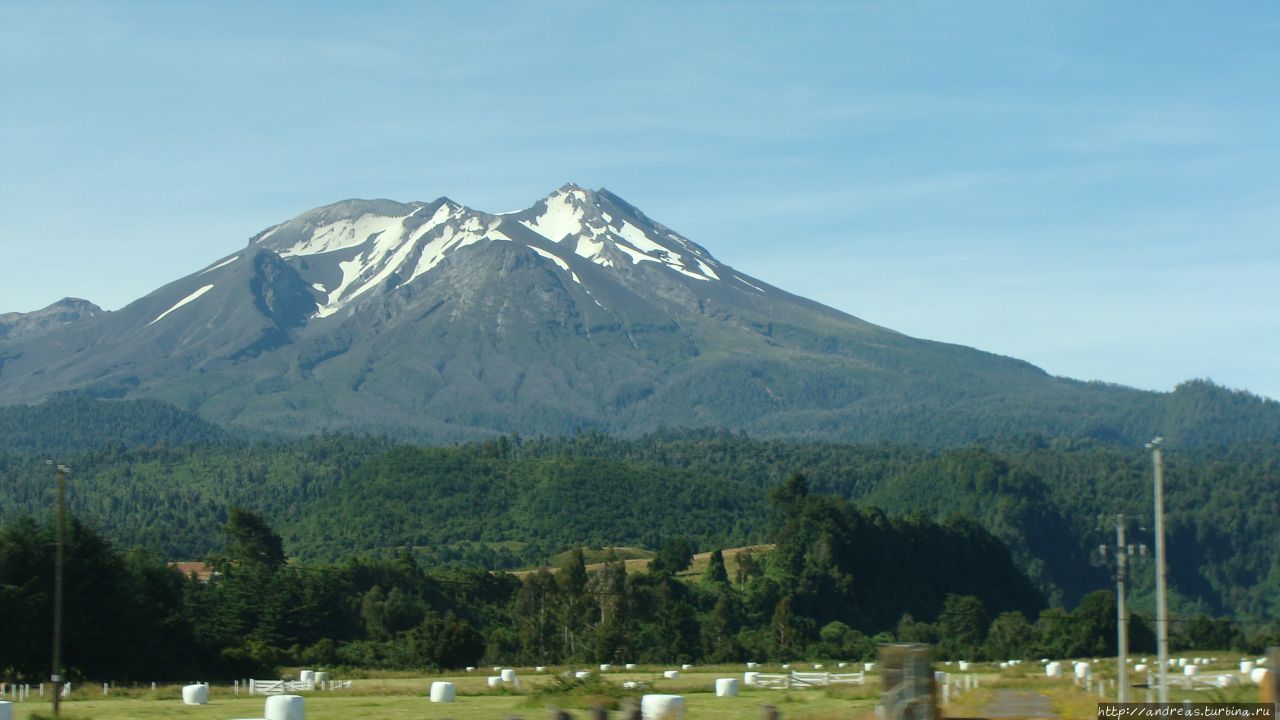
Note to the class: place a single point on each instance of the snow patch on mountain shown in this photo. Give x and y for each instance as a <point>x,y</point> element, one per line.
<point>562,218</point>
<point>556,259</point>
<point>190,298</point>
<point>744,281</point>
<point>345,234</point>
<point>224,263</point>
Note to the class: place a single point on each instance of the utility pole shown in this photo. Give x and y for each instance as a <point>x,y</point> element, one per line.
<point>1162,608</point>
<point>56,675</point>
<point>1122,617</point>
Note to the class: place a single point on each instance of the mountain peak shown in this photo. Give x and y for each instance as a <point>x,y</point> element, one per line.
<point>64,312</point>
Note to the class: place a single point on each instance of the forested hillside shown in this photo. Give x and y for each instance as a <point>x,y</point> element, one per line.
<point>167,483</point>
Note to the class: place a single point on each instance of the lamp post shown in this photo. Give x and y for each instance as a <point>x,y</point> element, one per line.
<point>56,675</point>
<point>1162,608</point>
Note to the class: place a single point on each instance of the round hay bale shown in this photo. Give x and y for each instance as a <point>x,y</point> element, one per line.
<point>1083,670</point>
<point>540,668</point>
<point>471,668</point>
<point>1258,675</point>
<point>1246,666</point>
<point>285,707</point>
<point>964,666</point>
<point>1140,668</point>
<point>686,666</point>
<point>662,707</point>
<point>630,666</point>
<point>1053,669</point>
<point>868,667</point>
<point>842,665</point>
<point>582,674</point>
<point>494,681</point>
<point>307,676</point>
<point>508,675</point>
<point>6,710</point>
<point>195,694</point>
<point>1226,681</point>
<point>1191,670</point>
<point>726,687</point>
<point>1004,666</point>
<point>752,665</point>
<point>1182,662</point>
<point>443,692</point>
<point>750,678</point>
<point>321,677</point>
<point>671,674</point>
<point>606,667</point>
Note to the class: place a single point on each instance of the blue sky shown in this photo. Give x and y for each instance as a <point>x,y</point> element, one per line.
<point>1093,187</point>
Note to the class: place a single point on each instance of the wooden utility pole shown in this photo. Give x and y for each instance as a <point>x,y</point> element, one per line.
<point>55,675</point>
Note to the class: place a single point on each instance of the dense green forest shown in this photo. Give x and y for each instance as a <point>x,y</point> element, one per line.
<point>149,476</point>
<point>841,579</point>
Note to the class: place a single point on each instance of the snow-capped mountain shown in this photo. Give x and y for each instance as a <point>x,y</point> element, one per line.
<point>437,321</point>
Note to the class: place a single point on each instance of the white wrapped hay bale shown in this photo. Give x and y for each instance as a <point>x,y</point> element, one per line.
<point>817,666</point>
<point>726,687</point>
<point>964,666</point>
<point>307,676</point>
<point>508,676</point>
<point>752,665</point>
<point>1083,671</point>
<point>1140,668</point>
<point>662,707</point>
<point>6,710</point>
<point>750,678</point>
<point>842,665</point>
<point>540,668</point>
<point>671,674</point>
<point>606,667</point>
<point>1258,675</point>
<point>1182,662</point>
<point>1246,666</point>
<point>630,666</point>
<point>443,692</point>
<point>1191,670</point>
<point>494,681</point>
<point>322,677</point>
<point>582,674</point>
<point>1004,666</point>
<point>285,707</point>
<point>1053,669</point>
<point>868,667</point>
<point>1226,681</point>
<point>686,666</point>
<point>197,694</point>
<point>471,668</point>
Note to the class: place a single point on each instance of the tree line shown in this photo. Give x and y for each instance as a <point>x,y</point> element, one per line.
<point>841,579</point>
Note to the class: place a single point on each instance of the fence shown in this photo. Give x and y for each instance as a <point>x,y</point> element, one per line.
<point>808,679</point>
<point>281,687</point>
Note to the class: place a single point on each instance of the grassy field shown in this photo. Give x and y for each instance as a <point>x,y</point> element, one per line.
<point>397,696</point>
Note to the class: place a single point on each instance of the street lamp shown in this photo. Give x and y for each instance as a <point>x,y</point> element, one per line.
<point>56,675</point>
<point>1162,607</point>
